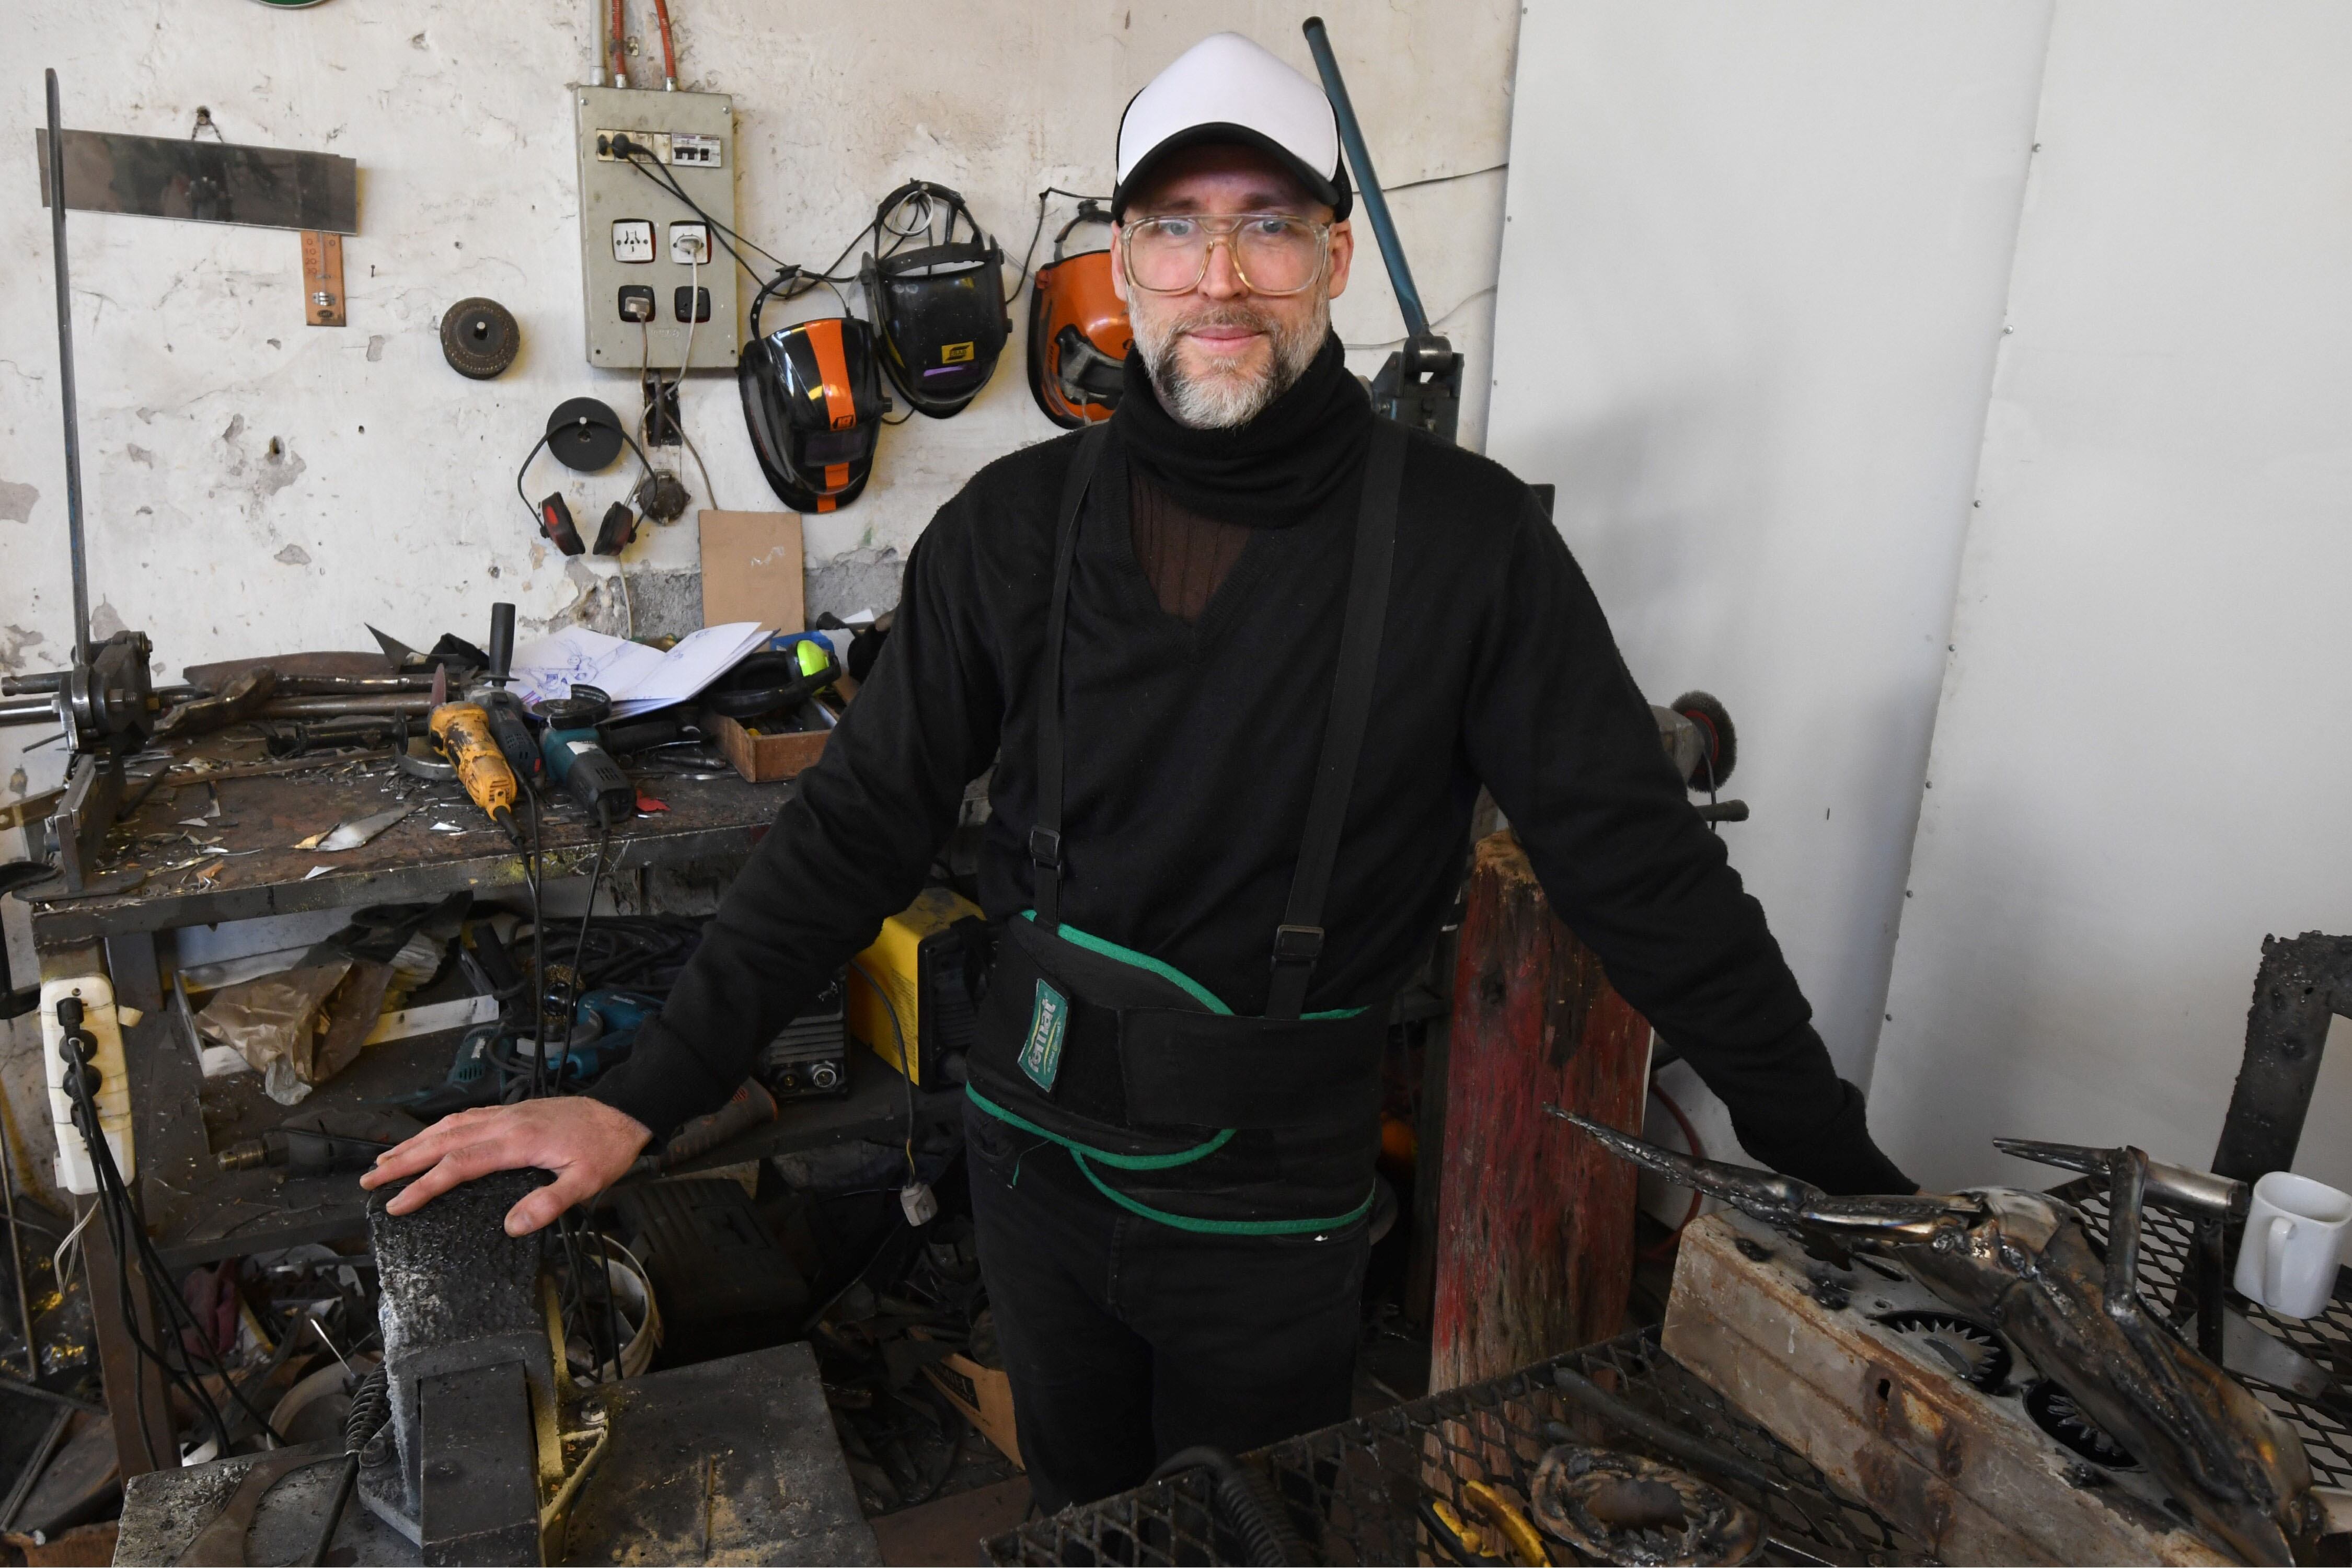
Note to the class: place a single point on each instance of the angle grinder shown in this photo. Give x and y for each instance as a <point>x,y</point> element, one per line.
<point>576,758</point>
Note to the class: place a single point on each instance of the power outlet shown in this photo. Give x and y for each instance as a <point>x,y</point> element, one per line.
<point>637,238</point>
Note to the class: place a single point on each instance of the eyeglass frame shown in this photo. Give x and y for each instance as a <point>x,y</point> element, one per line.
<point>1225,237</point>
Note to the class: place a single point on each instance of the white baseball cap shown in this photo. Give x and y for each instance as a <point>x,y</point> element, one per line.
<point>1226,88</point>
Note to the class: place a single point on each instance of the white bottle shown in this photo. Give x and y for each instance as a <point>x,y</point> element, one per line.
<point>101,1023</point>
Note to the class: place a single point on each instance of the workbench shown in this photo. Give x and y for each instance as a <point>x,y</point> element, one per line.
<point>239,863</point>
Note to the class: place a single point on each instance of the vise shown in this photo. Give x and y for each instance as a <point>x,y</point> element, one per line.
<point>475,1469</point>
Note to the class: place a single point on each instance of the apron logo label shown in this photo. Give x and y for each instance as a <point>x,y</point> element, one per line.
<point>1041,1056</point>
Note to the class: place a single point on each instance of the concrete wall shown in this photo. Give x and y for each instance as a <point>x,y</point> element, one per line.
<point>256,484</point>
<point>1751,285</point>
<point>2138,768</point>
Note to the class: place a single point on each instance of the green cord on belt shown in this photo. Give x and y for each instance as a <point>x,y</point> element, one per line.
<point>1083,1152</point>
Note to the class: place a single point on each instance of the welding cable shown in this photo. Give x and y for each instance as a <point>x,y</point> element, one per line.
<point>532,870</point>
<point>669,50</point>
<point>371,1408</point>
<point>579,942</point>
<point>1242,1503</point>
<point>906,1061</point>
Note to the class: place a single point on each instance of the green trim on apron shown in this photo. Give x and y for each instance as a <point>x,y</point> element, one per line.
<point>1081,1152</point>
<point>1167,972</point>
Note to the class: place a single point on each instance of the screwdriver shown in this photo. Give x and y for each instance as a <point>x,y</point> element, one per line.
<point>462,732</point>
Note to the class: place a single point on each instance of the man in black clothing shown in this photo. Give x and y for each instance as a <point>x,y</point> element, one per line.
<point>1242,658</point>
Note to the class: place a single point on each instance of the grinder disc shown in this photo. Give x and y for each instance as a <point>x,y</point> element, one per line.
<point>479,338</point>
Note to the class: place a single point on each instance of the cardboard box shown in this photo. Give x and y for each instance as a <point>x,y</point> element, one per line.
<point>985,1397</point>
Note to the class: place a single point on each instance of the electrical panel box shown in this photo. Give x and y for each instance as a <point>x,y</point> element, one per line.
<point>652,267</point>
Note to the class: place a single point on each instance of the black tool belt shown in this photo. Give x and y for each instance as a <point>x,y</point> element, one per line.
<point>1174,1107</point>
<point>1188,1113</point>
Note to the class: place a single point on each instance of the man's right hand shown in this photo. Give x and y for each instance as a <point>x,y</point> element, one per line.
<point>587,1144</point>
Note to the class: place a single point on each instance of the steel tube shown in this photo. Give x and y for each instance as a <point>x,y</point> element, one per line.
<point>66,376</point>
<point>1359,158</point>
<point>28,710</point>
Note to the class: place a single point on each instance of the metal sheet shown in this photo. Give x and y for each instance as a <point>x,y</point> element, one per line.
<point>205,182</point>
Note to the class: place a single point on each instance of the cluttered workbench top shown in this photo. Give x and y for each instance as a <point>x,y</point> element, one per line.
<point>219,836</point>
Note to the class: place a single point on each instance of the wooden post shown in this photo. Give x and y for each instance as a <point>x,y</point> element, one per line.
<point>1536,1242</point>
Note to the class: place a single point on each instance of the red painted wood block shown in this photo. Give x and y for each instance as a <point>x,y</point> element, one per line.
<point>1536,1221</point>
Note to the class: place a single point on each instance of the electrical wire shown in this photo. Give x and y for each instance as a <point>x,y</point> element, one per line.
<point>1023,276</point>
<point>906,1061</point>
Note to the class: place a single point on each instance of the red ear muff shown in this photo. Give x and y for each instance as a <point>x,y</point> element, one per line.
<point>555,522</point>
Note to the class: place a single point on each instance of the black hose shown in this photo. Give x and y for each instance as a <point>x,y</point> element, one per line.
<point>1244,1504</point>
<point>371,1408</point>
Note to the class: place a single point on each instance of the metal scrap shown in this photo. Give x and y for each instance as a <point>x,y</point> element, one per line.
<point>354,831</point>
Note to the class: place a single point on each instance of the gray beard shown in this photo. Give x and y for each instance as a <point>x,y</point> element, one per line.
<point>1221,400</point>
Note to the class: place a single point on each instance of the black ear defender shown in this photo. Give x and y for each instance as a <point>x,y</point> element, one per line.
<point>585,434</point>
<point>555,524</point>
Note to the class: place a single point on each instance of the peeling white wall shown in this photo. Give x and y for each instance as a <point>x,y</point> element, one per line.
<point>1751,285</point>
<point>2138,768</point>
<point>256,485</point>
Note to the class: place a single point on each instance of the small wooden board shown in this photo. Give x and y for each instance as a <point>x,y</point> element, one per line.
<point>1966,1471</point>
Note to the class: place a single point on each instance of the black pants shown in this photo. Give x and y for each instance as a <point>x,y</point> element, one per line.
<point>1126,1339</point>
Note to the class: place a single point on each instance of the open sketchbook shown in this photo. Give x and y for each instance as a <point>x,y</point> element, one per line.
<point>638,678</point>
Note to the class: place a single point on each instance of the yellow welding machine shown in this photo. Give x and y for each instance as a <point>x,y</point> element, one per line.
<point>922,960</point>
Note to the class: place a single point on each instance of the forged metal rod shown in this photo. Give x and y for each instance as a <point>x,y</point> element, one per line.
<point>1359,158</point>
<point>1659,1434</point>
<point>66,376</point>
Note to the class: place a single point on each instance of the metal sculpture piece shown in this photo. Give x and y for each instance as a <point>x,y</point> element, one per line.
<point>2025,1261</point>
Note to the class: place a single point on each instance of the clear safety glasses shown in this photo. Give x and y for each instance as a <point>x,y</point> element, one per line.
<point>1273,252</point>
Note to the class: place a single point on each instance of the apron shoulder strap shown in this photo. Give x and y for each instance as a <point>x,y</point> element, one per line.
<point>1046,837</point>
<point>1298,940</point>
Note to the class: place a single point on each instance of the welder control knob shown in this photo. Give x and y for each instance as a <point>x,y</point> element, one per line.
<point>479,338</point>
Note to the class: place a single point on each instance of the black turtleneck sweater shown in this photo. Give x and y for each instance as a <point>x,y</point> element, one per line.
<point>1191,747</point>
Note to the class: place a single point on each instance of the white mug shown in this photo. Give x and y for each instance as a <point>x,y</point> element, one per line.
<point>2294,1231</point>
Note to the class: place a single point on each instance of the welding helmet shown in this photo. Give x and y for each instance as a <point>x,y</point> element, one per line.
<point>938,309</point>
<point>1079,334</point>
<point>812,398</point>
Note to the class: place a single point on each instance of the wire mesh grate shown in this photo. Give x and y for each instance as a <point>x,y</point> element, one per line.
<point>2165,1240</point>
<point>1353,1490</point>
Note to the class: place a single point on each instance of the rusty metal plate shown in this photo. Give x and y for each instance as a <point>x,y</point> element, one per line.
<point>205,182</point>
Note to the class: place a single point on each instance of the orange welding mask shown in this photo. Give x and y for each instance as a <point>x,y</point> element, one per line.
<point>813,403</point>
<point>1078,332</point>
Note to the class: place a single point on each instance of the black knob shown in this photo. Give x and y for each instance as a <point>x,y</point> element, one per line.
<point>501,642</point>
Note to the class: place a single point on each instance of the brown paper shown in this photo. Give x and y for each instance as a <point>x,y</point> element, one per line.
<point>299,1028</point>
<point>752,568</point>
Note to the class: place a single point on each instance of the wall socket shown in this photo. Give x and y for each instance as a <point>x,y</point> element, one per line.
<point>637,238</point>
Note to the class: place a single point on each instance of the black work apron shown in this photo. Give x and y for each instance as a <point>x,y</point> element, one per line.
<point>1173,1106</point>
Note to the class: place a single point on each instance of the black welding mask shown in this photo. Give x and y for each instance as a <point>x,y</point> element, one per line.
<point>813,399</point>
<point>938,309</point>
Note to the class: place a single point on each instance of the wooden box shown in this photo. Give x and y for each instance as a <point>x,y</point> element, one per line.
<point>1810,1352</point>
<point>762,758</point>
<point>985,1396</point>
